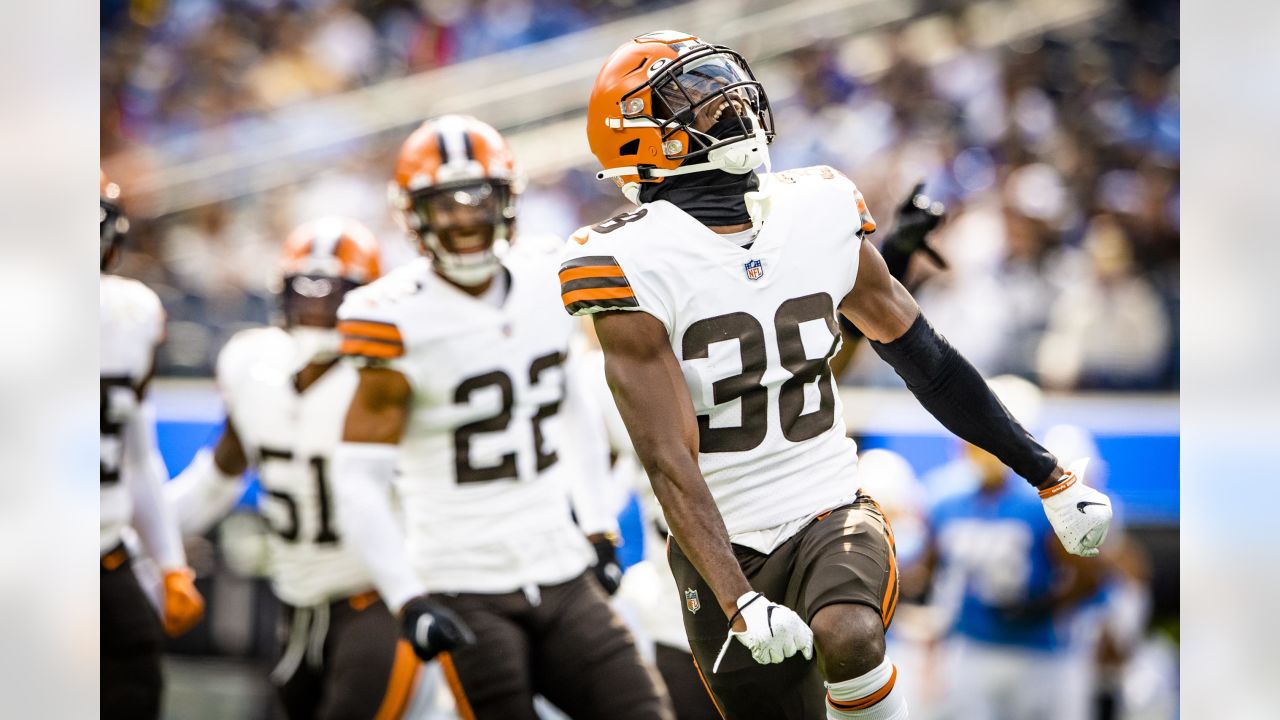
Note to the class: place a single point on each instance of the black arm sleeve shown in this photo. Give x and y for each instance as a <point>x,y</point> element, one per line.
<point>953,392</point>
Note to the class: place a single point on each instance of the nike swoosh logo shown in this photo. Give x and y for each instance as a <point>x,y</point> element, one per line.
<point>768,616</point>
<point>1081,505</point>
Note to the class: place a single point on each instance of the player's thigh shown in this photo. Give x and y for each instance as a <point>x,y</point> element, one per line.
<point>492,678</point>
<point>586,661</point>
<point>846,557</point>
<point>131,643</point>
<point>689,694</point>
<point>369,672</point>
<point>743,689</point>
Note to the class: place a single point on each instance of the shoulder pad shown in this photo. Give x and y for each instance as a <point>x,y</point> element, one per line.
<point>133,302</point>
<point>818,173</point>
<point>245,348</point>
<point>370,317</point>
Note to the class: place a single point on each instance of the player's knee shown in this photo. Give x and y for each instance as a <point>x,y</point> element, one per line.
<point>849,640</point>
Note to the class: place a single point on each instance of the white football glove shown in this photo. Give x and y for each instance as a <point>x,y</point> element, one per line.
<point>774,632</point>
<point>1079,514</point>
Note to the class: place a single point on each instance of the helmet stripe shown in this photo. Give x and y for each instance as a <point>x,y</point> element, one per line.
<point>444,149</point>
<point>466,145</point>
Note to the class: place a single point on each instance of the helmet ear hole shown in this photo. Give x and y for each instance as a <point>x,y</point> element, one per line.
<point>630,148</point>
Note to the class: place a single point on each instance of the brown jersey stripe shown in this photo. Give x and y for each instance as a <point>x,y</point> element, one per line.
<point>588,260</point>
<point>597,294</point>
<point>868,701</point>
<point>588,271</point>
<point>588,283</point>
<point>618,303</point>
<point>371,348</point>
<point>370,329</point>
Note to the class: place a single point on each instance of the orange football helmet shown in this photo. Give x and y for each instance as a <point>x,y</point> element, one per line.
<point>455,189</point>
<point>112,224</point>
<point>321,261</point>
<point>667,103</point>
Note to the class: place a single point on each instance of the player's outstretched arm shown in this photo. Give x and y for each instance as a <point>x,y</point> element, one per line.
<point>209,487</point>
<point>953,391</point>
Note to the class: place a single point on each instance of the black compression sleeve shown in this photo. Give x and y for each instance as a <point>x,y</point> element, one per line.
<point>953,392</point>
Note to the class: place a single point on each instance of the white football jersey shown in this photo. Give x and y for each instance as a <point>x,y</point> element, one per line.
<point>481,483</point>
<point>290,437</point>
<point>131,325</point>
<point>753,329</point>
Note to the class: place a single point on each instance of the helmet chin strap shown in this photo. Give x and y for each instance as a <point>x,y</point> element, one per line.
<point>760,201</point>
<point>737,158</point>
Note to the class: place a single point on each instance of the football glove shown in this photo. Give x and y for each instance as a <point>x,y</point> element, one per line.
<point>1079,514</point>
<point>607,569</point>
<point>183,604</point>
<point>774,632</point>
<point>916,217</point>
<point>432,628</point>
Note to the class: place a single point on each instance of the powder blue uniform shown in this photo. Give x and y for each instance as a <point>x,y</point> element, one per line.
<point>994,551</point>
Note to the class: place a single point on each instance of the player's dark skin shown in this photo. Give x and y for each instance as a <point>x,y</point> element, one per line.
<point>654,401</point>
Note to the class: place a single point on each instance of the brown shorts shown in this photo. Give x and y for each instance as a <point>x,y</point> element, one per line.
<point>362,670</point>
<point>569,647</point>
<point>842,556</point>
<point>130,641</point>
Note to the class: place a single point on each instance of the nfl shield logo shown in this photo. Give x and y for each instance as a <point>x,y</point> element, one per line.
<point>754,269</point>
<point>691,601</point>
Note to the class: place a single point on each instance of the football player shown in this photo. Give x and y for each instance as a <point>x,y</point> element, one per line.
<point>715,302</point>
<point>1010,591</point>
<point>131,326</point>
<point>647,587</point>
<point>467,403</point>
<point>286,396</point>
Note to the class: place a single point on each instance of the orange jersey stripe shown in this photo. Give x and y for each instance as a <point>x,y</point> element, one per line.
<point>404,675</point>
<point>890,592</point>
<point>371,348</point>
<point>597,294</point>
<point>455,686</point>
<point>589,271</point>
<point>868,701</point>
<point>364,328</point>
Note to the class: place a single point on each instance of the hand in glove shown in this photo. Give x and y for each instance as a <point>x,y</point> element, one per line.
<point>917,216</point>
<point>774,632</point>
<point>607,568</point>
<point>1079,514</point>
<point>432,628</point>
<point>183,604</point>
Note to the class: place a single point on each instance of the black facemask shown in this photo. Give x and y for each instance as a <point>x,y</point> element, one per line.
<point>713,197</point>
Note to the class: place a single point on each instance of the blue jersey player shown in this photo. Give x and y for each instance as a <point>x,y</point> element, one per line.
<point>1011,589</point>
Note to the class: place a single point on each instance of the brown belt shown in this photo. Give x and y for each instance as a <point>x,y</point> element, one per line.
<point>115,557</point>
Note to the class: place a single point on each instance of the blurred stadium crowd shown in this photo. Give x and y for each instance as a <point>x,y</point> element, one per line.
<point>1057,156</point>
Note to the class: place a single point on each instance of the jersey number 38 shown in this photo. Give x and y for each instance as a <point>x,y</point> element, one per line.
<point>797,425</point>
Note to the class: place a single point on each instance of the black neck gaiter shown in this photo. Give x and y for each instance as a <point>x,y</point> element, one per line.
<point>713,197</point>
